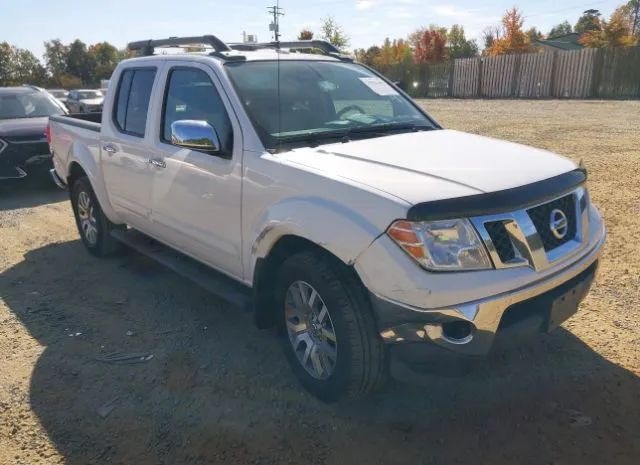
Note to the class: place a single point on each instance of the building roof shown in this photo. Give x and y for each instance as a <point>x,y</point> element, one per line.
<point>564,42</point>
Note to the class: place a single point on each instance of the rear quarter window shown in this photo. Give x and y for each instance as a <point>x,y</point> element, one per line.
<point>132,100</point>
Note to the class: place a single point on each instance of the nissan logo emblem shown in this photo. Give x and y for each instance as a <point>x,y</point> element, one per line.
<point>558,223</point>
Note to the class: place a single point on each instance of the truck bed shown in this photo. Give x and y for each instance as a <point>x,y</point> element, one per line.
<point>90,121</point>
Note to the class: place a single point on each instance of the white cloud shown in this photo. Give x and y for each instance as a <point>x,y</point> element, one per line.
<point>364,4</point>
<point>451,11</point>
<point>399,13</point>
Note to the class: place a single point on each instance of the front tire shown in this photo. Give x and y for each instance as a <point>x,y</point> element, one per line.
<point>94,227</point>
<point>327,327</point>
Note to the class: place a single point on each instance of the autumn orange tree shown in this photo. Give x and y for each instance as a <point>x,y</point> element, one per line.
<point>305,34</point>
<point>392,53</point>
<point>430,48</point>
<point>614,33</point>
<point>513,39</point>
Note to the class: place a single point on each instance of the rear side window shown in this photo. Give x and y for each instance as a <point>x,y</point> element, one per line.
<point>132,100</point>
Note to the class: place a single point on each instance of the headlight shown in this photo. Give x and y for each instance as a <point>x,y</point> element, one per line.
<point>444,245</point>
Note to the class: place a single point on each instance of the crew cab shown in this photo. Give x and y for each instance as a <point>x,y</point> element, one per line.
<point>312,190</point>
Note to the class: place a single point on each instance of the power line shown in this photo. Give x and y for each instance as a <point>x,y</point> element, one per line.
<point>276,11</point>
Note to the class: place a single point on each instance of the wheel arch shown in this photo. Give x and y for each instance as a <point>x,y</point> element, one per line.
<point>266,272</point>
<point>83,163</point>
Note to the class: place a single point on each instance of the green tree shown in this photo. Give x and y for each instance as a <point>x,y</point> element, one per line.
<point>55,58</point>
<point>28,69</point>
<point>589,21</point>
<point>533,34</point>
<point>368,56</point>
<point>458,45</point>
<point>80,63</point>
<point>393,52</point>
<point>614,33</point>
<point>561,29</point>
<point>489,35</point>
<point>106,58</point>
<point>7,64</point>
<point>333,32</point>
<point>19,66</point>
<point>632,10</point>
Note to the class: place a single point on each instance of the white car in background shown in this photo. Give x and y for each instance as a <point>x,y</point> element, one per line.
<point>85,101</point>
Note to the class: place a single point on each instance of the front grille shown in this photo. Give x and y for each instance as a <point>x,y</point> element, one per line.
<point>29,139</point>
<point>500,238</point>
<point>18,153</point>
<point>541,218</point>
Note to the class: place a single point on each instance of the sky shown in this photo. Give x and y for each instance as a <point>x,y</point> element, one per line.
<point>28,23</point>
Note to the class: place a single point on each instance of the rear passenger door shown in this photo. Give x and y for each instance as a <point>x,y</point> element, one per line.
<point>196,195</point>
<point>125,150</point>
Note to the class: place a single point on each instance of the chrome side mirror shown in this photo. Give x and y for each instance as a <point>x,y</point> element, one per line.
<point>195,134</point>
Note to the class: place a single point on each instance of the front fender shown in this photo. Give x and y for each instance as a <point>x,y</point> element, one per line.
<point>341,230</point>
<point>88,157</point>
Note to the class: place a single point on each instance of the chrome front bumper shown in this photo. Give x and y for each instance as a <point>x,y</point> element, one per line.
<point>485,315</point>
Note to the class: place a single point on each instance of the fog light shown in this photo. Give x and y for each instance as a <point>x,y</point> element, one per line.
<point>457,331</point>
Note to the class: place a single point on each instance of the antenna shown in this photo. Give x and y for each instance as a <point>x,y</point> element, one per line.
<point>276,11</point>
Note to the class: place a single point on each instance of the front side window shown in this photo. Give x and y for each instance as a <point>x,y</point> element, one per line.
<point>297,102</point>
<point>191,95</point>
<point>132,100</point>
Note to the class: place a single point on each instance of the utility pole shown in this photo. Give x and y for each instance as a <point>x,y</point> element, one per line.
<point>276,11</point>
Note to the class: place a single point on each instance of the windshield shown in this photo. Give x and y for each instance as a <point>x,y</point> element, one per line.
<point>320,101</point>
<point>87,94</point>
<point>28,105</point>
<point>58,93</point>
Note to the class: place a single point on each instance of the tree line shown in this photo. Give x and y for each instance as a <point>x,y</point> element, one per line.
<point>435,44</point>
<point>64,65</point>
<point>77,64</point>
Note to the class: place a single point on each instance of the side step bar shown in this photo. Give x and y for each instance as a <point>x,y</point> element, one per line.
<point>217,283</point>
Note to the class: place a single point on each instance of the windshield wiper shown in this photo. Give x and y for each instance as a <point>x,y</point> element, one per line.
<point>345,135</point>
<point>385,128</point>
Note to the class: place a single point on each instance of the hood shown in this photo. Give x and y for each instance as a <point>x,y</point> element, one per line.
<point>433,165</point>
<point>19,127</point>
<point>92,101</point>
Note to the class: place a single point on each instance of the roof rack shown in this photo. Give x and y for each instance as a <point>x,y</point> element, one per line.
<point>147,47</point>
<point>325,47</point>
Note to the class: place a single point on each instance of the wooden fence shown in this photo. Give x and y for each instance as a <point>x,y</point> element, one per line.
<point>588,73</point>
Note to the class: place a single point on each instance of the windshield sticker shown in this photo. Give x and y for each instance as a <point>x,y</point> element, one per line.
<point>378,86</point>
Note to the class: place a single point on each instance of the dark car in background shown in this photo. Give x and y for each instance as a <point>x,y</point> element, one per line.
<point>85,101</point>
<point>24,115</point>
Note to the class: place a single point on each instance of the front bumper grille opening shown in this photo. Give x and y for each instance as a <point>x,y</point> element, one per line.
<point>501,241</point>
<point>540,216</point>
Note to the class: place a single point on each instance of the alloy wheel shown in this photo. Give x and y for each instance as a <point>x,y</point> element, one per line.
<point>310,330</point>
<point>87,219</point>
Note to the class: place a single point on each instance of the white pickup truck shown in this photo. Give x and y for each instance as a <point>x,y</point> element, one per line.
<point>312,190</point>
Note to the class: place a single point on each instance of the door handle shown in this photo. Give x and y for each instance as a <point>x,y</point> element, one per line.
<point>110,149</point>
<point>157,162</point>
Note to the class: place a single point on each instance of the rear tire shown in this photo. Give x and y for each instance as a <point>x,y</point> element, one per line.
<point>94,227</point>
<point>323,309</point>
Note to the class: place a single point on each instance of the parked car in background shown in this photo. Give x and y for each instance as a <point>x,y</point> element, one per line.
<point>59,94</point>
<point>85,101</point>
<point>24,114</point>
<point>104,86</point>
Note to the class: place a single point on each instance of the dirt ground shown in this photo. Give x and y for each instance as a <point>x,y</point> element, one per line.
<point>217,390</point>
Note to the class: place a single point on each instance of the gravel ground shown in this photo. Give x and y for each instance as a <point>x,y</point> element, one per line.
<point>216,390</point>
